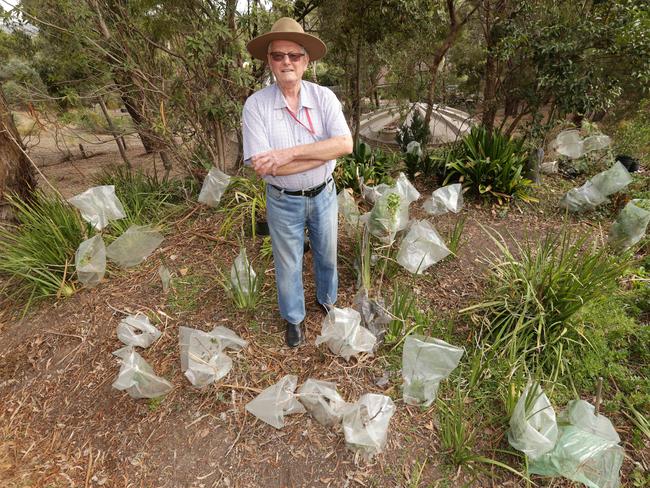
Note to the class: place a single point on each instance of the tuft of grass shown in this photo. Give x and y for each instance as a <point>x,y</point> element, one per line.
<point>539,289</point>
<point>246,291</point>
<point>455,236</point>
<point>185,293</point>
<point>242,204</point>
<point>37,254</point>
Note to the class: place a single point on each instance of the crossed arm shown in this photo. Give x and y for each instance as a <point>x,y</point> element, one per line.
<point>296,159</point>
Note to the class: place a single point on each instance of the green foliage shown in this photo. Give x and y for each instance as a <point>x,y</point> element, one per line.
<point>490,165</point>
<point>243,203</point>
<point>37,255</point>
<point>455,236</point>
<point>92,121</point>
<point>246,291</point>
<point>402,309</point>
<point>371,166</point>
<point>416,131</point>
<point>632,136</point>
<point>146,198</point>
<point>186,293</point>
<point>535,295</point>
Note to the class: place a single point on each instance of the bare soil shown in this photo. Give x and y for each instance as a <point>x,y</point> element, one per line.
<point>62,423</point>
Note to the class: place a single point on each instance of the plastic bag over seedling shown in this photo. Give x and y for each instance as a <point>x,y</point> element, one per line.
<point>446,199</point>
<point>569,144</point>
<point>99,205</point>
<point>630,225</point>
<point>137,377</point>
<point>90,261</point>
<point>322,401</point>
<point>165,277</point>
<point>596,143</point>
<point>406,189</point>
<point>533,427</point>
<point>344,335</point>
<point>597,189</point>
<point>582,415</point>
<point>137,331</point>
<point>203,359</point>
<point>242,275</point>
<point>421,248</point>
<point>214,186</point>
<point>134,246</point>
<point>276,401</point>
<point>387,217</point>
<point>349,209</point>
<point>373,312</point>
<point>425,363</point>
<point>365,424</point>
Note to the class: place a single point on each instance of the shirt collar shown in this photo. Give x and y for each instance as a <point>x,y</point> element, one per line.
<point>306,98</point>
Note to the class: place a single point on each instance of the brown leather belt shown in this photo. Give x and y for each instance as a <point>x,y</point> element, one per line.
<point>309,192</point>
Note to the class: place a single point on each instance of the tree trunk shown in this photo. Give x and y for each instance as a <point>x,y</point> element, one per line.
<point>357,91</point>
<point>16,173</point>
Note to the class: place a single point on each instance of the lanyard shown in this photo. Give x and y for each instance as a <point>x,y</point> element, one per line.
<point>309,129</point>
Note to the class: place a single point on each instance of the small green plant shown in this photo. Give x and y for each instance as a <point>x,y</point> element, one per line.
<point>416,130</point>
<point>154,403</point>
<point>364,164</point>
<point>37,255</point>
<point>402,309</point>
<point>455,236</point>
<point>242,205</point>
<point>490,165</point>
<point>243,285</point>
<point>539,289</point>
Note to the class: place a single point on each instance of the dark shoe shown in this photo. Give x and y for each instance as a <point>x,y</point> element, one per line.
<point>294,335</point>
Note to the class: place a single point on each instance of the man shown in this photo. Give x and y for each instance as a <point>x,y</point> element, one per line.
<point>293,132</point>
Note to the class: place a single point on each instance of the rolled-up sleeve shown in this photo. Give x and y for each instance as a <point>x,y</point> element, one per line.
<point>254,132</point>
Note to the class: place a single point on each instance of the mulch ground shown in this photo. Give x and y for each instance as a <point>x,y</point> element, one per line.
<point>62,423</point>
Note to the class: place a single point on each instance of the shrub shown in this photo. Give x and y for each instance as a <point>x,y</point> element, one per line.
<point>537,293</point>
<point>373,166</point>
<point>243,203</point>
<point>415,131</point>
<point>37,255</point>
<point>490,165</point>
<point>632,136</point>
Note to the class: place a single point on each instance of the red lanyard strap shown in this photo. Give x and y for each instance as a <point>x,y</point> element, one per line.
<point>310,129</point>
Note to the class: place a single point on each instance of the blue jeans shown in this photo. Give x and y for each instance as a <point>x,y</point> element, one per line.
<point>287,217</point>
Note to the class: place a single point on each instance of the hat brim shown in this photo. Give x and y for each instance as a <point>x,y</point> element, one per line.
<point>313,45</point>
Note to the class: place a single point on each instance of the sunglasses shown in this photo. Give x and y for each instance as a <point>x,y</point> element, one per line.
<point>279,56</point>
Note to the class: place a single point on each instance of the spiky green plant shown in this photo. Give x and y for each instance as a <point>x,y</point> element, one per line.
<point>37,254</point>
<point>242,204</point>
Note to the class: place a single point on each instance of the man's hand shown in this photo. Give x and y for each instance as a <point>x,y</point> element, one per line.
<point>267,163</point>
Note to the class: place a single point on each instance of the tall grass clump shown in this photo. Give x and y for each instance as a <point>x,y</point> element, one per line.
<point>37,254</point>
<point>147,199</point>
<point>490,165</point>
<point>535,294</point>
<point>243,203</point>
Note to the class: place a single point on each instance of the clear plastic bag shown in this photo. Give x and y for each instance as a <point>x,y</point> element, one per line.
<point>373,312</point>
<point>446,199</point>
<point>242,275</point>
<point>134,246</point>
<point>165,277</point>
<point>583,457</point>
<point>276,401</point>
<point>596,143</point>
<point>582,414</point>
<point>214,186</point>
<point>613,180</point>
<point>421,248</point>
<point>137,377</point>
<point>137,331</point>
<point>406,189</point>
<point>630,225</point>
<point>597,189</point>
<point>349,209</point>
<point>322,401</point>
<point>533,426</point>
<point>425,363</point>
<point>569,144</point>
<point>344,335</point>
<point>90,261</point>
<point>365,424</point>
<point>99,205</point>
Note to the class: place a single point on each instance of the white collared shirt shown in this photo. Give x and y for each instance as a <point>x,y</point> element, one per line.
<point>267,124</point>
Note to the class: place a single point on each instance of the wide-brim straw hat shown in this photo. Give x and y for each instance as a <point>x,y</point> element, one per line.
<point>287,29</point>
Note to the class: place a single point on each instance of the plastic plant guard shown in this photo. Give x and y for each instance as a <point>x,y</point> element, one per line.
<point>388,216</point>
<point>137,377</point>
<point>569,144</point>
<point>242,275</point>
<point>586,197</point>
<point>276,401</point>
<point>374,314</point>
<point>214,186</point>
<point>425,362</point>
<point>613,180</point>
<point>133,247</point>
<point>406,189</point>
<point>630,225</point>
<point>372,193</point>
<point>583,457</point>
<point>421,248</point>
<point>582,415</point>
<point>228,338</point>
<point>137,331</point>
<point>533,427</point>
<point>596,143</point>
<point>322,401</point>
<point>202,358</point>
<point>446,199</point>
<point>415,148</point>
<point>349,209</point>
<point>90,261</point>
<point>99,205</point>
<point>165,277</point>
<point>365,424</point>
<point>344,335</point>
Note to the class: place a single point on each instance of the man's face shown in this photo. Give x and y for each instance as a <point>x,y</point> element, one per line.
<point>285,70</point>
